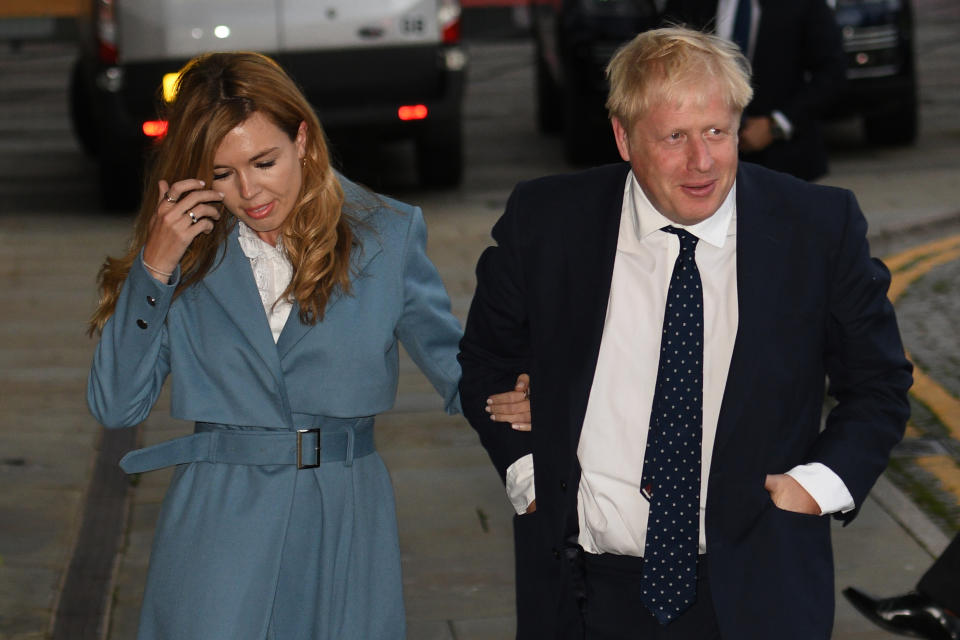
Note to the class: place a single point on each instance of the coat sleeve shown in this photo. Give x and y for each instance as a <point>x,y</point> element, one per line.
<point>496,347</point>
<point>427,328</point>
<point>868,371</point>
<point>132,360</point>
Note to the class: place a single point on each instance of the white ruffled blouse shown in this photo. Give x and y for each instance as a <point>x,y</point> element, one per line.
<point>272,271</point>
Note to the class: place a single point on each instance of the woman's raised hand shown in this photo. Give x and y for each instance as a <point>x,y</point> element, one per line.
<point>184,210</point>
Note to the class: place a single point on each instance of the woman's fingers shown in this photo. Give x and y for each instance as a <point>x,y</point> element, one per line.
<point>185,210</point>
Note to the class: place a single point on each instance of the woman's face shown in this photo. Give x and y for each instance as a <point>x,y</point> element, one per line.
<point>257,167</point>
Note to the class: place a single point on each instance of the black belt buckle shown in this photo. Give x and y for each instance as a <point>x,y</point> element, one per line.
<point>300,464</point>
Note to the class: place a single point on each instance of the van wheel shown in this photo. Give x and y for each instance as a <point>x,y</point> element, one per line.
<point>81,113</point>
<point>120,181</point>
<point>440,157</point>
<point>897,128</point>
<point>549,98</point>
<point>579,143</point>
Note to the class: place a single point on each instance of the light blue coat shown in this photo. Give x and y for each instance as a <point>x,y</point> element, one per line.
<point>244,551</point>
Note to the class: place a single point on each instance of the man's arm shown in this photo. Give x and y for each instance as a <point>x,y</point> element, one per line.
<point>495,348</point>
<point>868,371</point>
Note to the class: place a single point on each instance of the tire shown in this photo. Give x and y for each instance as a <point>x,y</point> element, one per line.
<point>82,114</point>
<point>579,143</point>
<point>894,128</point>
<point>440,156</point>
<point>121,181</point>
<point>549,98</point>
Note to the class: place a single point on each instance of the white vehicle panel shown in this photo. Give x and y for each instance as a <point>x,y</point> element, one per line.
<point>160,29</point>
<point>343,24</point>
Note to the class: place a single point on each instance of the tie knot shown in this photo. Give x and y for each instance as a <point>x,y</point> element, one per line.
<point>688,241</point>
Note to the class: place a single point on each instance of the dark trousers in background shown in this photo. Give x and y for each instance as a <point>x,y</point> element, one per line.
<point>614,611</point>
<point>941,582</point>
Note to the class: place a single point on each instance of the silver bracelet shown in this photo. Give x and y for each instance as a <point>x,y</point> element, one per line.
<point>155,270</point>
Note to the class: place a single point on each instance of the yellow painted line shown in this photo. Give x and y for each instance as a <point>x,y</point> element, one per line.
<point>912,431</point>
<point>944,469</point>
<point>903,279</point>
<point>898,261</point>
<point>906,268</point>
<point>938,400</point>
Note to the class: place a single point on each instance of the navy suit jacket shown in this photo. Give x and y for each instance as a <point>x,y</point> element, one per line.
<point>812,304</point>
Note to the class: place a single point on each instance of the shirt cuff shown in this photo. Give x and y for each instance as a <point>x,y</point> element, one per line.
<point>824,486</point>
<point>784,123</point>
<point>519,483</point>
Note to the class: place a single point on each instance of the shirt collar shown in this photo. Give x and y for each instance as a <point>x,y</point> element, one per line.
<point>254,246</point>
<point>646,219</point>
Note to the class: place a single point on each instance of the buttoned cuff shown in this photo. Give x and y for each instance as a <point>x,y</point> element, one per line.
<point>824,486</point>
<point>519,483</point>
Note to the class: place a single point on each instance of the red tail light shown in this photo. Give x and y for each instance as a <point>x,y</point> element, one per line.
<point>107,31</point>
<point>412,112</point>
<point>155,128</point>
<point>448,17</point>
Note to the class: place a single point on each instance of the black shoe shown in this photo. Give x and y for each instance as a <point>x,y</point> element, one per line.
<point>911,614</point>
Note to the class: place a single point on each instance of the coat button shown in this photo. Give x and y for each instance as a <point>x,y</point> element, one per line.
<point>142,323</point>
<point>563,486</point>
<point>151,301</point>
<point>556,553</point>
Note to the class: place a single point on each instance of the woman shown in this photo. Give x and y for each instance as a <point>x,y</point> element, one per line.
<point>275,292</point>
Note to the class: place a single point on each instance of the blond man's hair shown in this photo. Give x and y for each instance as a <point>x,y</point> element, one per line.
<point>662,65</point>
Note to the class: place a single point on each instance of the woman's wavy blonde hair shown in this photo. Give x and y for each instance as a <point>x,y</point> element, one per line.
<point>215,93</point>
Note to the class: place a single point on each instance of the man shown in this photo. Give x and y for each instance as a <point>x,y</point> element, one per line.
<point>714,529</point>
<point>798,72</point>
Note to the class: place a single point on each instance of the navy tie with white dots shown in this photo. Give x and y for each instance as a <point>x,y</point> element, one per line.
<point>671,464</point>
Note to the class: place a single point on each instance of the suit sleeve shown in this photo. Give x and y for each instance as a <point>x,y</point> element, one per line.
<point>822,60</point>
<point>427,328</point>
<point>132,360</point>
<point>868,371</point>
<point>496,347</point>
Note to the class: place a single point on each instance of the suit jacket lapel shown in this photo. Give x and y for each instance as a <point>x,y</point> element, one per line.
<point>591,240</point>
<point>762,238</point>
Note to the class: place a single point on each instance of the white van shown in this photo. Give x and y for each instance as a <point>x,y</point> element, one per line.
<point>383,68</point>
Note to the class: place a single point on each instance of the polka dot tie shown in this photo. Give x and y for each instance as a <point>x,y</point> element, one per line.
<point>671,464</point>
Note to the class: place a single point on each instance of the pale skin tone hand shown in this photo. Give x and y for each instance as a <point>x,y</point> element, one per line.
<point>171,228</point>
<point>514,407</point>
<point>756,134</point>
<point>789,495</point>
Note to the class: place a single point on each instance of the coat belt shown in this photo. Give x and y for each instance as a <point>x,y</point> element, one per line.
<point>325,440</point>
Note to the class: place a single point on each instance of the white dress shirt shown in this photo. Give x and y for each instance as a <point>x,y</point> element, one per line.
<point>611,511</point>
<point>272,271</point>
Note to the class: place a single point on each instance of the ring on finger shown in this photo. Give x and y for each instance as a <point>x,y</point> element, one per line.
<point>168,197</point>
<point>193,217</point>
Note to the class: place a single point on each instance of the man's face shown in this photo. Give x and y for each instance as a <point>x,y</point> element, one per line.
<point>684,153</point>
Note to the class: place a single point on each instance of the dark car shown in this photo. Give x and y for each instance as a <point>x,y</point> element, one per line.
<point>878,39</point>
<point>382,68</point>
<point>574,40</point>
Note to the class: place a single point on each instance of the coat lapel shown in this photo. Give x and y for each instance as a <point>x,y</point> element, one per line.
<point>232,285</point>
<point>591,247</point>
<point>762,239</point>
<point>294,330</point>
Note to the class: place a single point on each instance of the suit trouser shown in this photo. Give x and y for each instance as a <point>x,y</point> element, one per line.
<point>613,610</point>
<point>941,582</point>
